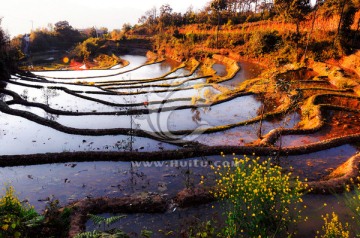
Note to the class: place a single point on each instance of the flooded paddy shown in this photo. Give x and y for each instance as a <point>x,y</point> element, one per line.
<point>156,108</point>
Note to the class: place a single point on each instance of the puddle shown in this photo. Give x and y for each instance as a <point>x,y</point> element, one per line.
<point>152,89</point>
<point>315,209</point>
<point>236,110</point>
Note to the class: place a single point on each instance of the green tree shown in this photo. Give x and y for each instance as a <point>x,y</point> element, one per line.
<point>87,49</point>
<point>150,17</point>
<point>346,9</point>
<point>92,32</point>
<point>293,11</point>
<point>4,54</point>
<point>41,40</point>
<point>165,16</point>
<point>126,27</point>
<point>66,35</point>
<point>190,16</point>
<point>218,6</point>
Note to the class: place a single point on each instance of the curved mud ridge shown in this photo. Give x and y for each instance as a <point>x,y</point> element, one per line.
<point>346,174</point>
<point>149,203</point>
<point>136,203</point>
<point>318,110</point>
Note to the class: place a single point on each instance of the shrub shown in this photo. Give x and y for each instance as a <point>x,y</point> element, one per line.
<point>56,220</point>
<point>15,217</point>
<point>352,201</point>
<point>264,42</point>
<point>237,39</point>
<point>324,50</point>
<point>262,201</point>
<point>87,49</point>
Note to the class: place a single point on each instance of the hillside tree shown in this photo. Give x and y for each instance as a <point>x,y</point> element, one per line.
<point>4,56</point>
<point>218,6</point>
<point>293,11</point>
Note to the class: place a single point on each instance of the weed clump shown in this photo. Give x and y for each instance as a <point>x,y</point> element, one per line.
<point>15,217</point>
<point>260,200</point>
<point>333,227</point>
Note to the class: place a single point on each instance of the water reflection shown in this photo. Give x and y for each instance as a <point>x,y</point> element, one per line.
<point>247,71</point>
<point>71,181</point>
<point>21,136</point>
<point>5,97</point>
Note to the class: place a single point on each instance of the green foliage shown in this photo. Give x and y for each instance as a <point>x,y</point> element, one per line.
<point>146,233</point>
<point>66,36</point>
<point>126,27</point>
<point>333,227</point>
<point>41,40</point>
<point>56,220</point>
<point>99,220</point>
<point>98,234</point>
<point>19,219</point>
<point>62,37</point>
<point>218,5</point>
<point>325,49</point>
<point>87,49</point>
<point>346,10</point>
<point>15,217</point>
<point>263,42</point>
<point>261,201</point>
<point>348,18</point>
<point>293,10</point>
<point>105,222</point>
<point>203,230</point>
